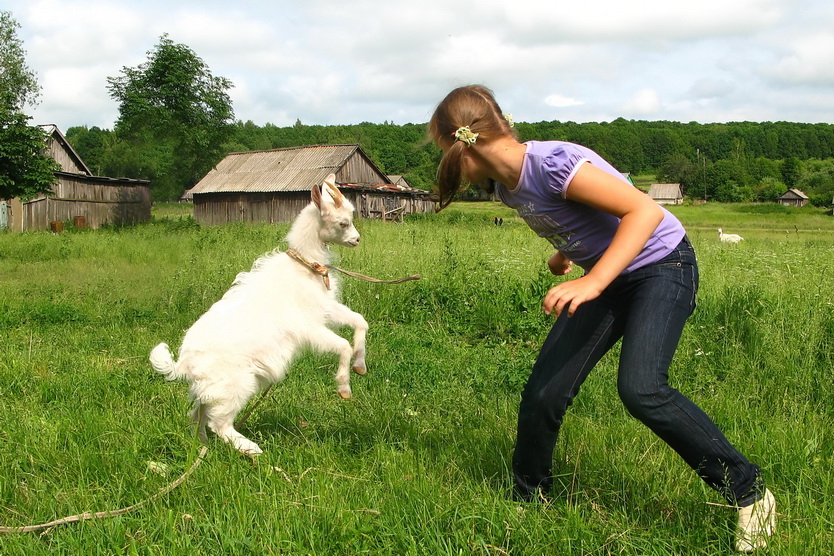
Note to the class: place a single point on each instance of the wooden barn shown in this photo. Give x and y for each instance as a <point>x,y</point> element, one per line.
<point>273,186</point>
<point>666,193</point>
<point>793,198</point>
<point>79,196</point>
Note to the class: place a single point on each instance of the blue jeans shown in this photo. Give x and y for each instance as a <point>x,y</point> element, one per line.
<point>647,308</point>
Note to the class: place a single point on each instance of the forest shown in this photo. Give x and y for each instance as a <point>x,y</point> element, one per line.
<point>725,162</point>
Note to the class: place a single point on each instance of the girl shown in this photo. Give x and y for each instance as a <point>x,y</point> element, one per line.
<point>639,285</point>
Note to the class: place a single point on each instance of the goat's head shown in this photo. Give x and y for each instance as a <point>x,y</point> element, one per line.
<point>336,214</point>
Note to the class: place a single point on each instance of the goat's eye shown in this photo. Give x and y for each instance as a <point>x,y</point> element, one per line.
<point>343,224</point>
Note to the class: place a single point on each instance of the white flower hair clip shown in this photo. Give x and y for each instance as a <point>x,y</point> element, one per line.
<point>465,135</point>
<point>509,118</point>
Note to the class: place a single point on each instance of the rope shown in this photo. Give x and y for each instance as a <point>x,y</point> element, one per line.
<point>322,271</point>
<point>376,280</point>
<point>112,513</point>
<point>316,268</point>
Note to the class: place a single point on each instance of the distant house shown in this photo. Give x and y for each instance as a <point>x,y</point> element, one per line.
<point>398,180</point>
<point>79,196</point>
<point>186,197</point>
<point>273,186</point>
<point>793,198</point>
<point>666,193</point>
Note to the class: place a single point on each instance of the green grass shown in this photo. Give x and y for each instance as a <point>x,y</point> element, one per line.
<point>417,462</point>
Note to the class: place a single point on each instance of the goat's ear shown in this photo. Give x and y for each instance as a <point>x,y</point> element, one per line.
<point>315,195</point>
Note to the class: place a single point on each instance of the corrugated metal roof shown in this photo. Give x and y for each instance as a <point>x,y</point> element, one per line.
<point>293,169</point>
<point>793,193</point>
<point>665,191</point>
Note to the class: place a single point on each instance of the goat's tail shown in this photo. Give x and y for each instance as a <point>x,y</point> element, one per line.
<point>163,362</point>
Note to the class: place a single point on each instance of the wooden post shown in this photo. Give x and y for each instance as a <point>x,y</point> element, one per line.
<point>80,222</point>
<point>57,226</point>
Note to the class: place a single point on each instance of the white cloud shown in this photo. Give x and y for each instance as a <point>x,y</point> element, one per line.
<point>317,61</point>
<point>807,60</point>
<point>561,101</point>
<point>644,103</point>
<point>709,89</point>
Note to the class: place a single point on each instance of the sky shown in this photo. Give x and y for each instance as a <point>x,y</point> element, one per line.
<point>330,62</point>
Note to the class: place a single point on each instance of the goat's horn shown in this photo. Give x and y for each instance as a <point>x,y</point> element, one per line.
<point>334,192</point>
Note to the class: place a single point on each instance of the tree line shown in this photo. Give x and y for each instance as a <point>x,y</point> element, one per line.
<point>727,162</point>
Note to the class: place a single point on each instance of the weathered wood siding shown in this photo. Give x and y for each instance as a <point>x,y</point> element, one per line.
<point>64,158</point>
<point>219,208</point>
<point>284,206</point>
<point>388,205</point>
<point>99,200</point>
<point>357,169</point>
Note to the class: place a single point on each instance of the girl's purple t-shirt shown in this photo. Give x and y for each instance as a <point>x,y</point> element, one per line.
<point>581,232</point>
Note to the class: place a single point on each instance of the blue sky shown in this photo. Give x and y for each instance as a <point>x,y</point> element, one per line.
<point>327,62</point>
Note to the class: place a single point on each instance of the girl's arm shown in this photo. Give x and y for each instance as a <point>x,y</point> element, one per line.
<point>559,264</point>
<point>639,215</point>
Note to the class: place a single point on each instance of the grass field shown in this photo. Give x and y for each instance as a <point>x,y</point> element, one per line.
<point>417,462</point>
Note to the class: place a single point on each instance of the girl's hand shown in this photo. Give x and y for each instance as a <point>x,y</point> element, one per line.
<point>571,294</point>
<point>559,265</point>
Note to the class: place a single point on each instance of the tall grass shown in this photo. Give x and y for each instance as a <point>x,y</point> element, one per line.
<point>417,462</point>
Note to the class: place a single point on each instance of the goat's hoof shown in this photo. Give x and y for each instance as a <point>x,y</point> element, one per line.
<point>345,395</point>
<point>360,369</point>
<point>247,447</point>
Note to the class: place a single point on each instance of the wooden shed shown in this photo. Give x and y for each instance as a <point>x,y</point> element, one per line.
<point>79,196</point>
<point>793,198</point>
<point>273,186</point>
<point>396,179</point>
<point>666,193</point>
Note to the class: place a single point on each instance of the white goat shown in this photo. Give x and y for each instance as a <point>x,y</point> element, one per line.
<point>245,342</point>
<point>728,238</point>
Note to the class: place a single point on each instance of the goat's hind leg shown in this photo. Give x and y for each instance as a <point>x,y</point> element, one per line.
<point>220,419</point>
<point>359,334</point>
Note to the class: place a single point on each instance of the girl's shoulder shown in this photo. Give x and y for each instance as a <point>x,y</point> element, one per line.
<point>555,160</point>
<point>545,148</point>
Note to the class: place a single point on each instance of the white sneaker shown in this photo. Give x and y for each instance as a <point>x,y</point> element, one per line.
<point>756,523</point>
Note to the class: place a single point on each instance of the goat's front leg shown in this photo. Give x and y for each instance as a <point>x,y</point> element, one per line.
<point>343,316</point>
<point>328,340</point>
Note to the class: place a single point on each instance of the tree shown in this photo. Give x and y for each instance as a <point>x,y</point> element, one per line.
<point>791,171</point>
<point>679,169</point>
<point>175,113</point>
<point>18,84</point>
<point>25,170</point>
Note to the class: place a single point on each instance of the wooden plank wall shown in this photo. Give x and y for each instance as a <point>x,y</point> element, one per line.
<point>220,208</point>
<point>357,170</point>
<point>98,202</point>
<point>387,204</point>
<point>63,158</point>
